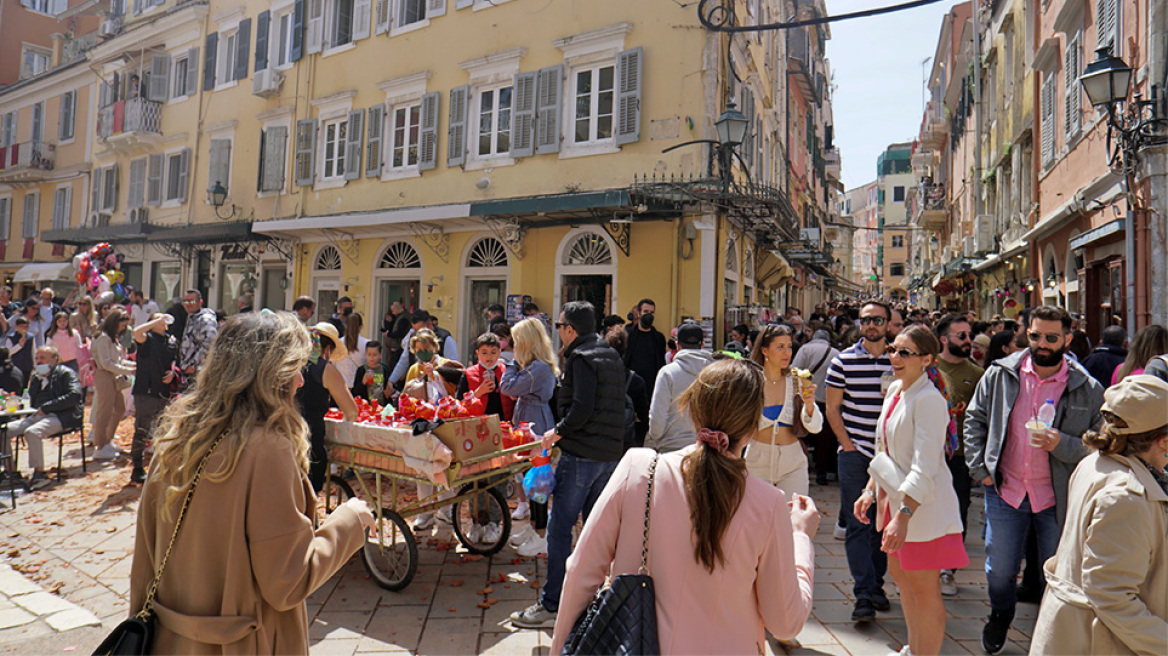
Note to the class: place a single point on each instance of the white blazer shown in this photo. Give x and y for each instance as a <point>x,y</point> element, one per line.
<point>916,441</point>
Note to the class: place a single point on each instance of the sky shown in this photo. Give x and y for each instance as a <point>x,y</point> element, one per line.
<point>876,70</point>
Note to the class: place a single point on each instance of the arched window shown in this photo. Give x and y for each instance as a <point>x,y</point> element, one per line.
<point>588,249</point>
<point>487,253</point>
<point>328,259</point>
<point>400,255</point>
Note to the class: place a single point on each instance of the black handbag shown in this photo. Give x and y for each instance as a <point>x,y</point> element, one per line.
<point>622,618</point>
<point>135,636</point>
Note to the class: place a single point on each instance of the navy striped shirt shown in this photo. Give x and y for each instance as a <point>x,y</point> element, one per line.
<point>857,372</point>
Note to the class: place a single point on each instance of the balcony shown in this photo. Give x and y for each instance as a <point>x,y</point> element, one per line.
<point>30,161</point>
<point>801,61</point>
<point>831,163</point>
<point>126,124</point>
<point>934,127</point>
<point>930,210</point>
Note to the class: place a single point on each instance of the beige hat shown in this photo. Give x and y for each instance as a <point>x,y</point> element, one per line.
<point>326,329</point>
<point>982,340</point>
<point>1140,401</point>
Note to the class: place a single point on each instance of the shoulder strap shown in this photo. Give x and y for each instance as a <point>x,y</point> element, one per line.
<point>648,498</point>
<point>148,604</point>
<point>826,352</point>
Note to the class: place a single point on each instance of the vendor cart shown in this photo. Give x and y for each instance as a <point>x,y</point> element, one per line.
<point>386,463</point>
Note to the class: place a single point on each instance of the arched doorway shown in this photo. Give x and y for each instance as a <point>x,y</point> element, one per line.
<point>397,277</point>
<point>586,271</point>
<point>326,280</point>
<point>485,279</point>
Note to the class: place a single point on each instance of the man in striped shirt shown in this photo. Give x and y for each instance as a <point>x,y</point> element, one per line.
<point>856,383</point>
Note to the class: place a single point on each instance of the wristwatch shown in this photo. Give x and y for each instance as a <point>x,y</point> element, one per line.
<point>866,490</point>
<point>905,510</point>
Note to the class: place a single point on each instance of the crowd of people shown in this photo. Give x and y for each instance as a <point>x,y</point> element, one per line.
<point>907,410</point>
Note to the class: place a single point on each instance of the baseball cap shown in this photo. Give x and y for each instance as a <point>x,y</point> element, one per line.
<point>690,334</point>
<point>982,341</point>
<point>1140,401</point>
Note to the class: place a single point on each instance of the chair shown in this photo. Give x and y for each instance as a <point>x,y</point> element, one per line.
<point>61,449</point>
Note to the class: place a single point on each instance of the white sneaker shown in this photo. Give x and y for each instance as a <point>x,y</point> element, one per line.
<point>107,452</point>
<point>948,583</point>
<point>444,515</point>
<point>839,532</point>
<point>423,522</point>
<point>522,511</point>
<point>474,534</point>
<point>534,616</point>
<point>491,533</point>
<point>534,546</point>
<point>522,535</point>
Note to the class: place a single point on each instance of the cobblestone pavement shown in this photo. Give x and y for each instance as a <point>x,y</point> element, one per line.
<point>75,541</point>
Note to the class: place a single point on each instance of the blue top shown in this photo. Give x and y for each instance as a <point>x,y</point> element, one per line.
<point>532,387</point>
<point>772,412</point>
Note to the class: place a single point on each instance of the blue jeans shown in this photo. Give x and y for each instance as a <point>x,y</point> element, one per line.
<point>1006,531</point>
<point>867,562</point>
<point>579,482</point>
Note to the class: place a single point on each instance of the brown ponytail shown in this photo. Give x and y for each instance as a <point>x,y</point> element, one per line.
<point>726,397</point>
<point>1109,441</point>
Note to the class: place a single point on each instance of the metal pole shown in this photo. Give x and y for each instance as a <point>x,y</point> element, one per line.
<point>1129,256</point>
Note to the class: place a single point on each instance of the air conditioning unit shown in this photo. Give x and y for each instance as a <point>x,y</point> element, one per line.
<point>967,246</point>
<point>267,82</point>
<point>97,220</point>
<point>110,27</point>
<point>136,215</point>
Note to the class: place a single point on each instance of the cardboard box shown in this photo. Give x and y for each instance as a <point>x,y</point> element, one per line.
<point>471,437</point>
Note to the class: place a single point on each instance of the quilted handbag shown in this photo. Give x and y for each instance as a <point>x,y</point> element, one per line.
<point>622,618</point>
<point>135,636</point>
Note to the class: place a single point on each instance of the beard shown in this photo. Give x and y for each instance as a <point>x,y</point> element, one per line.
<point>1044,360</point>
<point>956,350</point>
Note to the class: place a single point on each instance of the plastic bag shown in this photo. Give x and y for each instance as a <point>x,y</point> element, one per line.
<point>540,480</point>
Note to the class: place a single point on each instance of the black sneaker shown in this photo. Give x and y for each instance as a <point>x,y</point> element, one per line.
<point>1028,595</point>
<point>821,478</point>
<point>39,480</point>
<point>881,602</point>
<point>864,611</point>
<point>138,476</point>
<point>993,636</point>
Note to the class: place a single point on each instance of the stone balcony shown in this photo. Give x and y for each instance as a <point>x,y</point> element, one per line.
<point>29,161</point>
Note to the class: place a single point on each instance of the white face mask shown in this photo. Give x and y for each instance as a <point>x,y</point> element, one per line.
<point>43,370</point>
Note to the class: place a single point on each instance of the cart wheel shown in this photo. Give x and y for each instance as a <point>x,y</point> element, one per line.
<point>512,488</point>
<point>391,552</point>
<point>488,503</point>
<point>335,493</point>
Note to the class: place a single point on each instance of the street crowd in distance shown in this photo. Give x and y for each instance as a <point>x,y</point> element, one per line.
<point>905,409</point>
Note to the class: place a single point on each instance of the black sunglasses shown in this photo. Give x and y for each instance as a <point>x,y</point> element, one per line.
<point>1051,338</point>
<point>905,353</point>
<point>879,321</point>
<point>561,324</point>
<point>961,335</point>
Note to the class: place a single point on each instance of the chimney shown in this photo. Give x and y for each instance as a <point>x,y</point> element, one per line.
<point>59,41</point>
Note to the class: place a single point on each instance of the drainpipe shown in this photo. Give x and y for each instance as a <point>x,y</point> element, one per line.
<point>1154,165</point>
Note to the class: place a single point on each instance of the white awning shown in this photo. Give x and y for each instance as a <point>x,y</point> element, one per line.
<point>44,272</point>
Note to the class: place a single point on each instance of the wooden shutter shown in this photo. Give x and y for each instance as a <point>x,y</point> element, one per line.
<point>273,161</point>
<point>376,129</point>
<point>5,219</point>
<point>192,82</point>
<point>456,127</point>
<point>263,25</point>
<point>220,168</point>
<point>65,117</point>
<point>384,12</point>
<point>212,47</point>
<point>435,8</point>
<point>428,143</point>
<point>137,194</point>
<point>523,115</point>
<point>628,97</point>
<point>305,151</point>
<point>548,91</point>
<point>1073,89</point>
<point>109,202</point>
<point>362,15</point>
<point>159,81</point>
<point>1047,112</point>
<point>31,212</point>
<point>354,139</point>
<point>1106,23</point>
<point>314,30</point>
<point>297,50</point>
<point>95,191</point>
<point>463,4</point>
<point>242,46</point>
<point>154,179</point>
<point>184,174</point>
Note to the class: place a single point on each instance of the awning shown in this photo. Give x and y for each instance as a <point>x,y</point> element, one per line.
<point>121,232</point>
<point>44,272</point>
<point>204,232</point>
<point>999,258</point>
<point>378,224</point>
<point>553,203</point>
<point>1103,231</point>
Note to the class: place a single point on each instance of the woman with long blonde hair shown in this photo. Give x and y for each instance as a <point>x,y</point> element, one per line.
<point>531,380</point>
<point>247,547</point>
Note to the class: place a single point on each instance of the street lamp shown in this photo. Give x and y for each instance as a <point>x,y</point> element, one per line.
<point>731,126</point>
<point>1107,79</point>
<point>218,198</point>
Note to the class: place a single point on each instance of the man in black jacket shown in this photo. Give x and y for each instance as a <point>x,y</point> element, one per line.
<point>1108,355</point>
<point>590,435</point>
<point>645,353</point>
<point>152,384</point>
<point>55,391</point>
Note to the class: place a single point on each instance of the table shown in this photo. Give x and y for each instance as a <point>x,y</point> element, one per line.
<point>7,453</point>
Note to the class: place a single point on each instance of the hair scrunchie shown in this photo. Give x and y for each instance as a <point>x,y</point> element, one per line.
<point>716,440</point>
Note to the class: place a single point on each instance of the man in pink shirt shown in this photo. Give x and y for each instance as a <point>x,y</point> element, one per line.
<point>1026,483</point>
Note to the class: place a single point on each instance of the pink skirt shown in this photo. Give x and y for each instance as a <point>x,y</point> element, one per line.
<point>946,552</point>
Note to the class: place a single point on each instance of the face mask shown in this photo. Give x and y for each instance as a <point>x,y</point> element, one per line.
<point>503,344</point>
<point>647,320</point>
<point>42,370</point>
<point>347,311</point>
<point>424,356</point>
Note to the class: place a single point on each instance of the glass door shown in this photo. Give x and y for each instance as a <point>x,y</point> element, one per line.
<point>483,294</point>
<point>405,292</point>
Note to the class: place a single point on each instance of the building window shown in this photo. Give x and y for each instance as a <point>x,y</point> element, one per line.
<point>342,23</point>
<point>411,11</point>
<point>5,218</point>
<point>898,241</point>
<point>68,116</point>
<point>31,216</point>
<point>38,122</point>
<point>494,126</point>
<point>34,61</point>
<point>8,129</point>
<point>173,174</point>
<point>334,149</point>
<point>62,202</point>
<point>220,164</point>
<point>403,135</point>
<point>896,269</point>
<point>593,90</point>
<point>179,76</point>
<point>39,6</point>
<point>898,194</point>
<point>227,48</point>
<point>283,41</point>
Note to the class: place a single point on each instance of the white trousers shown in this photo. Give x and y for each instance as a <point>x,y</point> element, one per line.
<point>784,466</point>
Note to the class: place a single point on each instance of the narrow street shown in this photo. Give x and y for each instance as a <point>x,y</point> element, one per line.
<point>75,541</point>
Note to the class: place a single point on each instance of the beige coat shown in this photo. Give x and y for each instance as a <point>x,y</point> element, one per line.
<point>1107,589</point>
<point>246,558</point>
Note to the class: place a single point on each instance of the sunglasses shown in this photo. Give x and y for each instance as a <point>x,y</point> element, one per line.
<point>905,353</point>
<point>1051,338</point>
<point>877,321</point>
<point>960,335</point>
<point>561,324</point>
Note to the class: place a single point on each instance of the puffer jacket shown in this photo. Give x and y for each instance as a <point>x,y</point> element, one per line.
<point>987,419</point>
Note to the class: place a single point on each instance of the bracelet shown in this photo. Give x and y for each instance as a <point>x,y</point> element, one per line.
<point>869,492</point>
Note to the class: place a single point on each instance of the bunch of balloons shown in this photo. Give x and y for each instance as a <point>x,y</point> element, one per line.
<point>99,271</point>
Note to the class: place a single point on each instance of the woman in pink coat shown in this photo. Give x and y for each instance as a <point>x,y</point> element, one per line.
<point>729,556</point>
